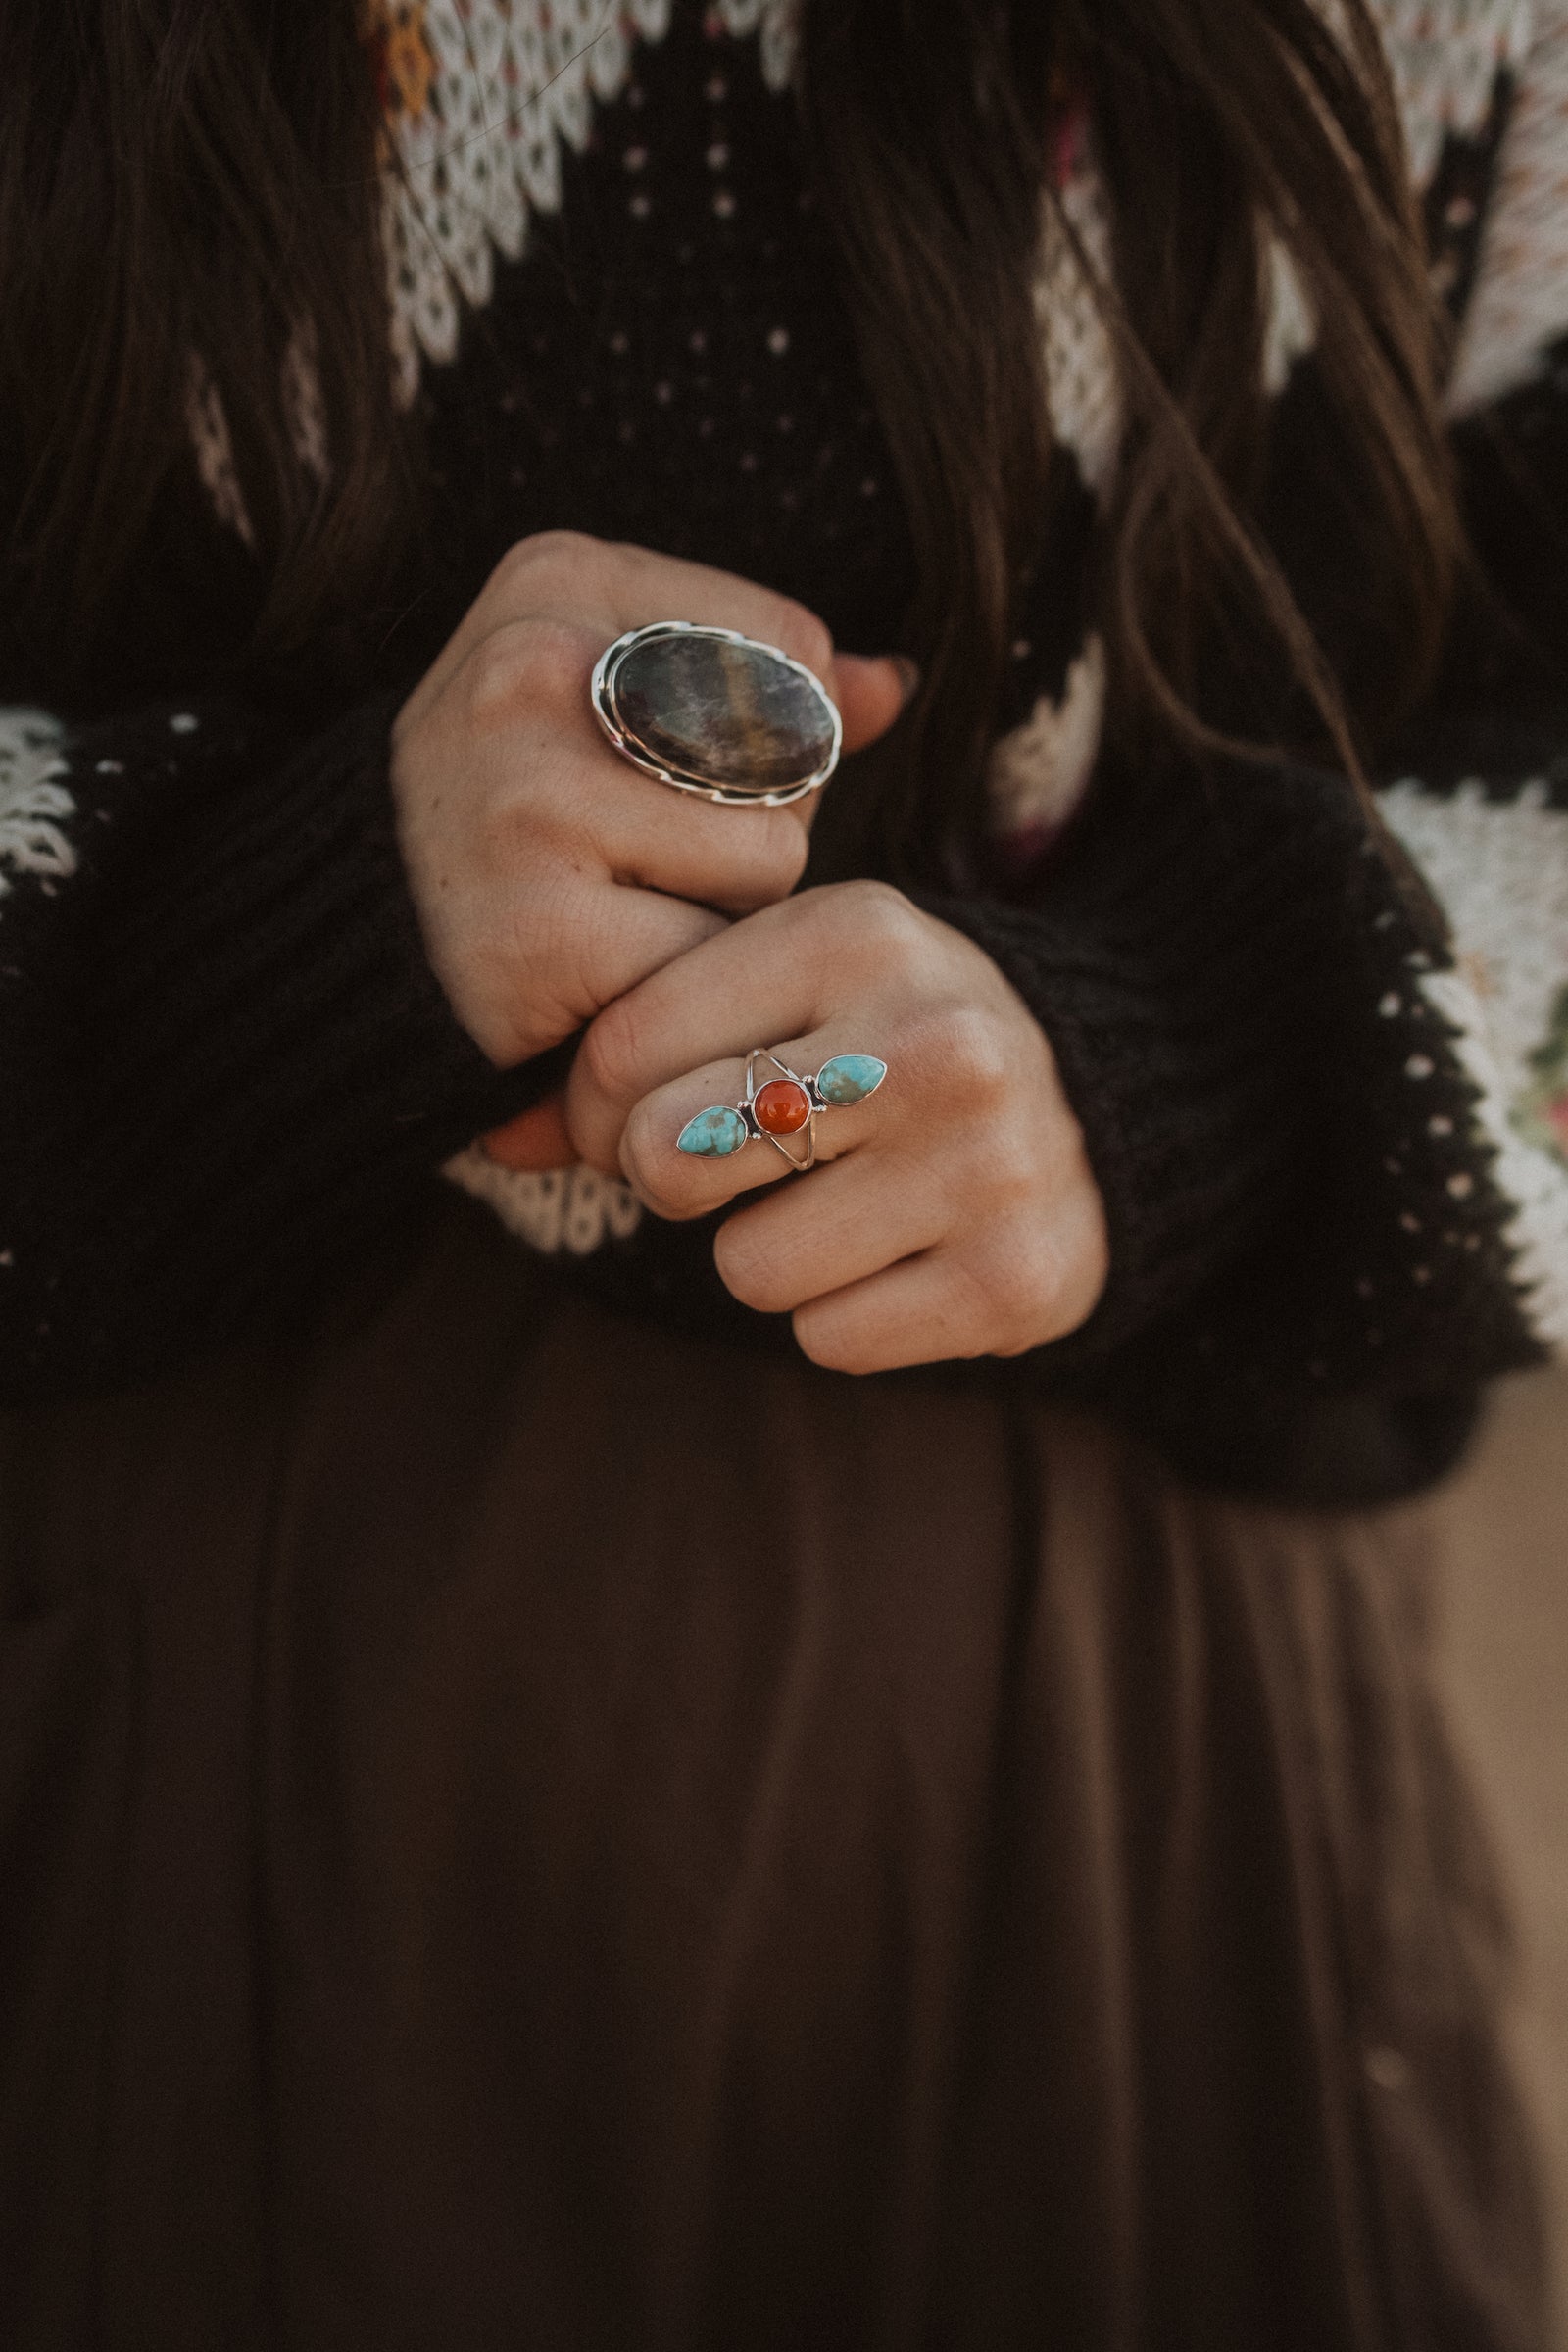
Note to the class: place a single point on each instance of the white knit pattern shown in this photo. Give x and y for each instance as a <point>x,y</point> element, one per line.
<point>206,422</point>
<point>1083,384</point>
<point>1290,329</point>
<point>1521,299</point>
<point>1446,56</point>
<point>1040,772</point>
<point>503,85</point>
<point>34,805</point>
<point>1501,871</point>
<point>777,21</point>
<point>213,442</point>
<point>575,1209</point>
<point>511,82</point>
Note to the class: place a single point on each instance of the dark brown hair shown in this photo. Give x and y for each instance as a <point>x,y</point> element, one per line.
<point>1221,125</point>
<point>199,175</point>
<point>188,183</point>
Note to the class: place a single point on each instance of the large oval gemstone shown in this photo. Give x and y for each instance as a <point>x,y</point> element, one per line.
<point>849,1078</point>
<point>722,712</point>
<point>713,1134</point>
<point>782,1108</point>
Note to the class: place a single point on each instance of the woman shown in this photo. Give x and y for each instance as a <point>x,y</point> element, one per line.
<point>548,1793</point>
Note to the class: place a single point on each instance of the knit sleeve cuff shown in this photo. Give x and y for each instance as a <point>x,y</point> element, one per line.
<point>264,1066</point>
<point>1229,980</point>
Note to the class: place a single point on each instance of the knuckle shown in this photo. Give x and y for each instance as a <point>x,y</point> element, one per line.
<point>748,1270</point>
<point>1023,1279</point>
<point>832,1342</point>
<point>799,633</point>
<point>1013,1162</point>
<point>612,1051</point>
<point>881,911</point>
<point>571,552</point>
<point>495,679</point>
<point>876,919</point>
<point>531,664</point>
<point>961,1049</point>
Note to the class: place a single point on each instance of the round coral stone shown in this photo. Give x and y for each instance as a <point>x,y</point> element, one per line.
<point>783,1108</point>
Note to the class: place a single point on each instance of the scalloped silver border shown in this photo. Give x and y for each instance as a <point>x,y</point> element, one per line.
<point>601,693</point>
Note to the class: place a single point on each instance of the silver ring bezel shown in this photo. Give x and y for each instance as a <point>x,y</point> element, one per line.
<point>601,692</point>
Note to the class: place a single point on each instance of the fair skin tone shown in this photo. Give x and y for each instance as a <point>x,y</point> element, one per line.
<point>558,890</point>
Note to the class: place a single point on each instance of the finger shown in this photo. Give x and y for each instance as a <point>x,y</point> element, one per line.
<point>871,695</point>
<point>630,935</point>
<point>661,1152</point>
<point>845,1224</point>
<point>647,587</point>
<point>1000,1284</point>
<point>925,1310</point>
<point>536,1141</point>
<point>735,859</point>
<point>619,588</point>
<point>761,982</point>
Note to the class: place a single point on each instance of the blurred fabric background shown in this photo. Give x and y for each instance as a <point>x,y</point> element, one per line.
<point>1503,1655</point>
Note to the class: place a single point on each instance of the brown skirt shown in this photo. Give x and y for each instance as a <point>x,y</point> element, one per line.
<point>518,1829</point>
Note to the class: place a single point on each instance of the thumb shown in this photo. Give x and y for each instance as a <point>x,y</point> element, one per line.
<point>534,1142</point>
<point>872,694</point>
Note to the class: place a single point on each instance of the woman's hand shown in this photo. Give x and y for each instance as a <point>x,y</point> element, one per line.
<point>549,876</point>
<point>959,1217</point>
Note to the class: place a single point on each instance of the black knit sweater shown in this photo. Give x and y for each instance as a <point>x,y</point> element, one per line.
<point>227,1070</point>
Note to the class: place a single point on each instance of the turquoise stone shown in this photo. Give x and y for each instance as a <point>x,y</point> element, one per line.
<point>713,1134</point>
<point>849,1078</point>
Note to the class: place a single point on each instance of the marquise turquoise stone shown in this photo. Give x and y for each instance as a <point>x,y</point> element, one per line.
<point>849,1078</point>
<point>713,1134</point>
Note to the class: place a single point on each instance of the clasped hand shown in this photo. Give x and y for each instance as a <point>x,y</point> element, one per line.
<point>953,1214</point>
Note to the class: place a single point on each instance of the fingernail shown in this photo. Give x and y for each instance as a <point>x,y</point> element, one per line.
<point>908,676</point>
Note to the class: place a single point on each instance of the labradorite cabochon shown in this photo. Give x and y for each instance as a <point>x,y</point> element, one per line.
<point>713,1134</point>
<point>723,712</point>
<point>849,1078</point>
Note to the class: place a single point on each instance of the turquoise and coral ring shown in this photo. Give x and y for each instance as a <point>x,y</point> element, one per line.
<point>787,1106</point>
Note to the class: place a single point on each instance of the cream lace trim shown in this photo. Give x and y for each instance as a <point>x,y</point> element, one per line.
<point>575,1210</point>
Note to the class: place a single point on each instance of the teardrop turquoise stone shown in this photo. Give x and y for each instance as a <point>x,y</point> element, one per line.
<point>713,1134</point>
<point>849,1077</point>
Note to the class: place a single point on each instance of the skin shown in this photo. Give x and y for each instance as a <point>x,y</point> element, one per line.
<point>953,1214</point>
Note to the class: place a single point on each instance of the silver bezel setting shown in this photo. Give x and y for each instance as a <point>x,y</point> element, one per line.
<point>603,694</point>
<point>758,1132</point>
<point>811,1088</point>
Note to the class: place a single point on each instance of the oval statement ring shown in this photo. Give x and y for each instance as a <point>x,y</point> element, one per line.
<point>787,1105</point>
<point>713,712</point>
